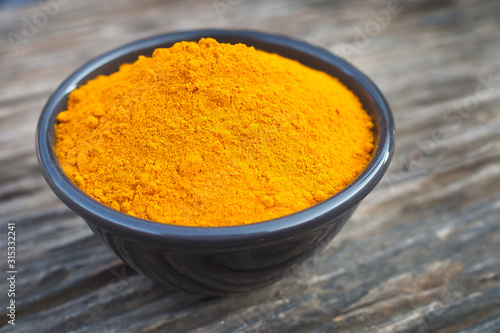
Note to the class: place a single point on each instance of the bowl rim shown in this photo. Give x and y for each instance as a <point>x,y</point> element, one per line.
<point>107,218</point>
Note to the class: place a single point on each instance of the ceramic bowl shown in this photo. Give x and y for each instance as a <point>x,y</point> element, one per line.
<point>219,260</point>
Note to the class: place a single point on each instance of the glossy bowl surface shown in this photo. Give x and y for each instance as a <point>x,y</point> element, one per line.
<point>220,260</point>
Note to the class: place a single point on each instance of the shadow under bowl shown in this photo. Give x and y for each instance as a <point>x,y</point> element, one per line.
<point>219,260</point>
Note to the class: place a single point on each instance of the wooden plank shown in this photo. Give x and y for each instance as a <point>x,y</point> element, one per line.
<point>419,255</point>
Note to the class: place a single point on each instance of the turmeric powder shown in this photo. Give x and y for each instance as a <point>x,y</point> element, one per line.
<point>209,134</point>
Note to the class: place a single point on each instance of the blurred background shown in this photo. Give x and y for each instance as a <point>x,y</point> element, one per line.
<point>420,253</point>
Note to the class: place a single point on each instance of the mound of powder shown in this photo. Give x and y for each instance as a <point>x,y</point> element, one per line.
<point>209,134</point>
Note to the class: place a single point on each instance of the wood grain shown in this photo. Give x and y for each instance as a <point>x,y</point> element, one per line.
<point>419,255</point>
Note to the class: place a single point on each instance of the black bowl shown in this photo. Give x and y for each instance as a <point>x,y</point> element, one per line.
<point>219,260</point>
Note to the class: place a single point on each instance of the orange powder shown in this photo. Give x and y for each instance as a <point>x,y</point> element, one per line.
<point>209,134</point>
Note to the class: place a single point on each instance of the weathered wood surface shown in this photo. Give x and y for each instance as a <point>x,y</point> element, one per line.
<point>421,254</point>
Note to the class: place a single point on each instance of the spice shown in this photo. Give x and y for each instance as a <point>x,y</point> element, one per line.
<point>209,134</point>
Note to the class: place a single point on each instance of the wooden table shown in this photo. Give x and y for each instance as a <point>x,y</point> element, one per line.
<point>421,254</point>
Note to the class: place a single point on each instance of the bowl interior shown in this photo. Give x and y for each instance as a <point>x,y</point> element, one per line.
<point>313,57</point>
